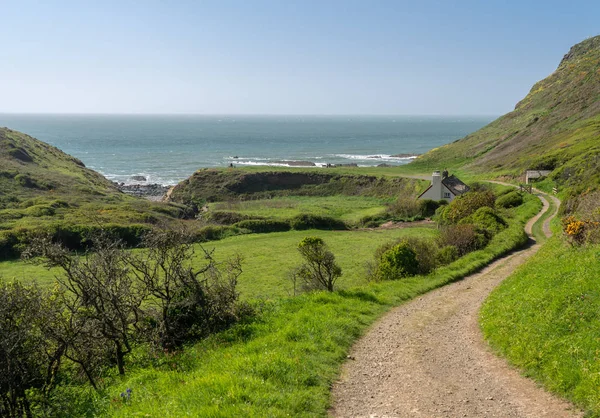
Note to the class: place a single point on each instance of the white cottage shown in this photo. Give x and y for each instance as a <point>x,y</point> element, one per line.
<point>444,187</point>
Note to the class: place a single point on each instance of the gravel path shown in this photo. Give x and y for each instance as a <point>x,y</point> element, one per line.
<point>427,358</point>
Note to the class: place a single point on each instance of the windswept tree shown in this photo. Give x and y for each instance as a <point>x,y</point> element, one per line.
<point>319,270</point>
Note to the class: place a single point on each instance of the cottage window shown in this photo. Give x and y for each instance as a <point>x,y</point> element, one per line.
<point>446,195</point>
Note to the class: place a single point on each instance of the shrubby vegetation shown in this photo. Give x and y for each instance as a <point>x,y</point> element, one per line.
<point>467,224</point>
<point>581,220</point>
<point>108,302</point>
<point>510,200</point>
<point>404,209</point>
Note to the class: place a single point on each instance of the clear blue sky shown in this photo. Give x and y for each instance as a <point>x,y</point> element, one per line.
<point>282,57</point>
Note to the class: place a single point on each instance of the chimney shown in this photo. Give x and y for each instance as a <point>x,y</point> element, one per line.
<point>436,184</point>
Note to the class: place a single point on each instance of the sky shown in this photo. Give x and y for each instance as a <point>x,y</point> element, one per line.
<point>282,57</point>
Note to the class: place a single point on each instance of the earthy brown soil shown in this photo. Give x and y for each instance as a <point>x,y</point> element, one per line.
<point>427,358</point>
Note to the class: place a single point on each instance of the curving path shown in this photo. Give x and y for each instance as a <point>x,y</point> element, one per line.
<point>427,358</point>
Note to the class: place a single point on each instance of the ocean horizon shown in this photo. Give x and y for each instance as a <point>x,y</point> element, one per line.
<point>166,149</point>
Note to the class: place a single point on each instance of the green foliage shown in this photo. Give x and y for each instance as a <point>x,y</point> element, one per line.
<point>28,358</point>
<point>307,221</point>
<point>219,185</point>
<point>404,208</point>
<point>486,220</point>
<point>319,270</point>
<point>43,188</point>
<point>545,319</point>
<point>283,363</point>
<point>464,237</point>
<point>224,217</point>
<point>464,205</point>
<point>348,209</point>
<point>447,254</point>
<point>397,262</point>
<point>424,248</point>
<point>25,181</point>
<point>427,207</point>
<point>510,200</point>
<point>264,225</point>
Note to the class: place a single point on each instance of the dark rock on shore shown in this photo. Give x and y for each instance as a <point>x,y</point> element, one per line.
<point>148,191</point>
<point>138,178</point>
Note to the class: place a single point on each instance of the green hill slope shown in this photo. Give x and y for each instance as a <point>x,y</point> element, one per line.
<point>31,168</point>
<point>41,187</point>
<point>555,127</point>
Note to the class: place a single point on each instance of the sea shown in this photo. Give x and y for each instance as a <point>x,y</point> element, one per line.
<point>166,149</point>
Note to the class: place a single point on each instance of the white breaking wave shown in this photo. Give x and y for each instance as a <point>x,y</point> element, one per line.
<point>373,157</point>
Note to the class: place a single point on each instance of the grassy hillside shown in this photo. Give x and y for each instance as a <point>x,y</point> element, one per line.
<point>555,127</point>
<point>41,187</point>
<point>211,185</point>
<point>545,319</point>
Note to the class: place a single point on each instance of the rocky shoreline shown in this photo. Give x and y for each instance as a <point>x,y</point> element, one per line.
<point>154,191</point>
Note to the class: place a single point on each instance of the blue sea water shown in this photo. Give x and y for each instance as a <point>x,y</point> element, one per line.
<point>169,148</point>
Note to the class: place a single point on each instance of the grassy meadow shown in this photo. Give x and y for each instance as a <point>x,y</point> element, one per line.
<point>349,209</point>
<point>283,362</point>
<point>267,258</point>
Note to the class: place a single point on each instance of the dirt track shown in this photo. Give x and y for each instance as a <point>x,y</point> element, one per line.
<point>427,358</point>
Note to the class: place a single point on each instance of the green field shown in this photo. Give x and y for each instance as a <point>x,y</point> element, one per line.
<point>267,258</point>
<point>349,209</point>
<point>283,362</point>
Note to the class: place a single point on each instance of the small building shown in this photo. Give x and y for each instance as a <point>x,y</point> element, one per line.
<point>444,187</point>
<point>535,174</point>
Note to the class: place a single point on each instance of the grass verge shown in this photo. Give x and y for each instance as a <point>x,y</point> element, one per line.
<point>545,319</point>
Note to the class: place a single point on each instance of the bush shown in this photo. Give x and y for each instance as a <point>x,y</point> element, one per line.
<point>427,207</point>
<point>464,237</point>
<point>8,242</point>
<point>463,206</point>
<point>213,233</point>
<point>25,181</point>
<point>397,262</point>
<point>405,208</point>
<point>373,221</point>
<point>225,217</point>
<point>447,255</point>
<point>486,220</point>
<point>308,221</point>
<point>29,359</point>
<point>510,200</point>
<point>40,210</point>
<point>264,225</point>
<point>425,250</point>
<point>319,271</point>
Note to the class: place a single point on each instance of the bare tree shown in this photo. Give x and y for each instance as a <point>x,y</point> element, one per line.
<point>102,299</point>
<point>187,302</point>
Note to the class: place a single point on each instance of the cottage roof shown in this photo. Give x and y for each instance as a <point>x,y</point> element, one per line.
<point>455,186</point>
